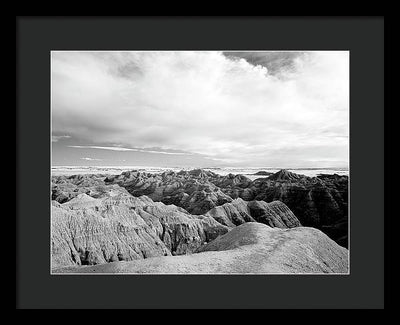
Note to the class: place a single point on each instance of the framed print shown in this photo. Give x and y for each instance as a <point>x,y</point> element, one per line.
<point>168,163</point>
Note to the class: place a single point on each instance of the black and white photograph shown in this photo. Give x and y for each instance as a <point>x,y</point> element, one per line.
<point>200,162</point>
<point>204,162</point>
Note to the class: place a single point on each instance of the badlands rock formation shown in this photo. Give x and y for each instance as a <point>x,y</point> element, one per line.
<point>100,219</point>
<point>189,190</point>
<point>249,248</point>
<point>65,188</point>
<point>320,202</point>
<point>116,227</point>
<point>237,212</point>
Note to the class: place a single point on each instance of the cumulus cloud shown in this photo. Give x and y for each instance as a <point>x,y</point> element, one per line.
<point>230,108</point>
<point>278,63</point>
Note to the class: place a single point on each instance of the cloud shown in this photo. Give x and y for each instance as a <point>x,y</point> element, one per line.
<point>239,110</point>
<point>55,138</point>
<point>131,149</point>
<point>277,62</point>
<point>91,159</point>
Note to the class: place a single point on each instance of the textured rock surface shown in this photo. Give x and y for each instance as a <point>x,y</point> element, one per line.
<point>237,212</point>
<point>190,190</point>
<point>118,226</point>
<point>232,214</point>
<point>249,248</point>
<point>320,202</point>
<point>274,214</point>
<point>65,188</point>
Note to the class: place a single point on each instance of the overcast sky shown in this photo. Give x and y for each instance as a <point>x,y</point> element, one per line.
<point>247,109</point>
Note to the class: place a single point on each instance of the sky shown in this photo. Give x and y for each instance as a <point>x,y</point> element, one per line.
<point>200,108</point>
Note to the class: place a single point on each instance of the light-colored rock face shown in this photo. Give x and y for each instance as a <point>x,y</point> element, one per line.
<point>86,230</point>
<point>66,188</point>
<point>98,219</point>
<point>274,214</point>
<point>252,248</point>
<point>232,214</point>
<point>115,227</point>
<point>94,231</point>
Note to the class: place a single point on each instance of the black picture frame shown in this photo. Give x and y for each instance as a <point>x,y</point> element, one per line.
<point>362,36</point>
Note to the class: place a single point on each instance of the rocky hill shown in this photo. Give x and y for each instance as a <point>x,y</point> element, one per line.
<point>116,226</point>
<point>252,248</point>
<point>320,202</point>
<point>65,188</point>
<point>237,212</point>
<point>86,230</point>
<point>190,190</point>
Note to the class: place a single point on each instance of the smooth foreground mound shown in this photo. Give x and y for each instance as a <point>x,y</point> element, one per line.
<point>249,248</point>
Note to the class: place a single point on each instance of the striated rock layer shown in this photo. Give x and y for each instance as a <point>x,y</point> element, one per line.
<point>189,190</point>
<point>65,188</point>
<point>87,230</point>
<point>320,202</point>
<point>249,248</point>
<point>117,226</point>
<point>274,214</point>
